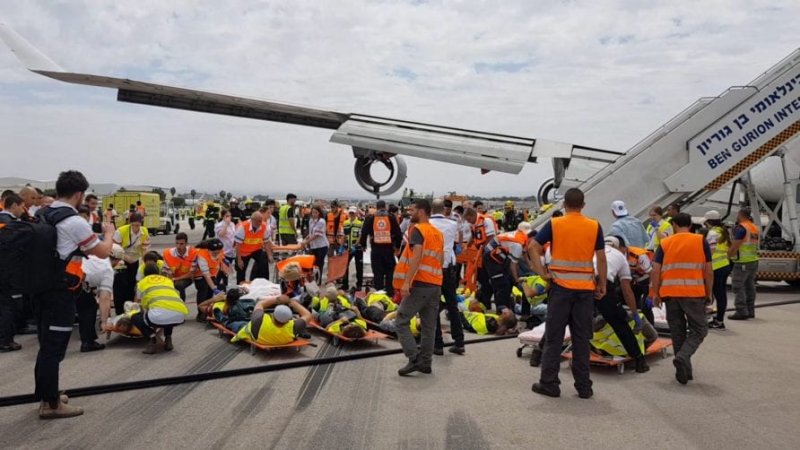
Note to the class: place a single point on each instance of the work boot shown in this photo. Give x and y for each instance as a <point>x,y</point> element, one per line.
<point>586,394</point>
<point>548,391</point>
<point>152,347</point>
<point>168,344</point>
<point>9,347</point>
<point>737,316</point>
<point>92,347</point>
<point>61,411</point>
<point>457,350</point>
<point>681,370</point>
<point>752,315</point>
<point>412,367</point>
<point>438,351</point>
<point>536,357</point>
<point>641,365</point>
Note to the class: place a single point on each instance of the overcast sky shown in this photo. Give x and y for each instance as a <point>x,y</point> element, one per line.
<point>598,73</point>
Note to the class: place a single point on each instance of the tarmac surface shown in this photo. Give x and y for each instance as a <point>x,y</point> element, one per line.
<point>745,395</point>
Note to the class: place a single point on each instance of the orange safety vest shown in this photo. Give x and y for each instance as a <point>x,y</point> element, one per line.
<point>683,268</point>
<point>75,268</point>
<point>478,230</point>
<point>339,231</point>
<point>213,263</point>
<point>634,253</point>
<point>253,240</point>
<point>180,265</point>
<point>574,237</point>
<point>430,267</point>
<point>518,237</point>
<point>141,210</point>
<point>382,230</point>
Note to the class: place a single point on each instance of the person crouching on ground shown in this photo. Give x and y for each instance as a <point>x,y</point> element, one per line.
<point>162,308</point>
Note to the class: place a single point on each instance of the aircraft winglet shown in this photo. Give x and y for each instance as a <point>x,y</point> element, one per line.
<point>30,56</point>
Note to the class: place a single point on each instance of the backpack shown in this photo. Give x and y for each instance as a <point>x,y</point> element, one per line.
<point>29,262</point>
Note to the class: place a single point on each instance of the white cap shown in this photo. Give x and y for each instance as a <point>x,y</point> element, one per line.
<point>619,209</point>
<point>233,200</point>
<point>612,241</point>
<point>117,252</point>
<point>282,313</point>
<point>525,227</point>
<point>711,215</point>
<point>352,209</point>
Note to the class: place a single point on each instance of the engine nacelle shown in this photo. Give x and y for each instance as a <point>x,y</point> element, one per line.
<point>365,159</point>
<point>547,192</point>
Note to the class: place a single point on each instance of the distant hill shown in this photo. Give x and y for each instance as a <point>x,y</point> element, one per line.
<point>15,183</point>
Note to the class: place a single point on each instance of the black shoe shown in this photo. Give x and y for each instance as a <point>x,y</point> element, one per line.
<point>539,388</point>
<point>457,350</point>
<point>738,316</point>
<point>92,347</point>
<point>641,365</point>
<point>689,375</point>
<point>681,371</point>
<point>716,325</point>
<point>438,351</point>
<point>28,329</point>
<point>412,367</point>
<point>536,357</point>
<point>10,347</point>
<point>425,369</point>
<point>751,316</point>
<point>586,394</point>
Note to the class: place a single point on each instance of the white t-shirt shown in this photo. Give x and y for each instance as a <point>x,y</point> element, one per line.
<point>73,233</point>
<point>449,229</point>
<point>99,273</point>
<point>227,240</point>
<point>317,234</point>
<point>617,265</point>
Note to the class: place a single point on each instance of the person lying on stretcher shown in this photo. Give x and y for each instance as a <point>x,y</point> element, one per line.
<point>123,323</point>
<point>352,329</point>
<point>231,310</point>
<point>335,306</point>
<point>388,324</point>
<point>277,328</point>
<point>530,296</point>
<point>477,321</point>
<point>605,342</point>
<point>375,306</point>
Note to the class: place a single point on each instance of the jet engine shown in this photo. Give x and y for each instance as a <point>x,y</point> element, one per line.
<point>366,161</point>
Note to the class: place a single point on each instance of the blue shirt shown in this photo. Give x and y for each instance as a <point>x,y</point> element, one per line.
<point>631,230</point>
<point>739,233</point>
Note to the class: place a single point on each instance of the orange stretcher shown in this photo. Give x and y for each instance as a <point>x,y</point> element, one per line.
<point>471,258</point>
<point>223,332</point>
<point>660,346</point>
<point>372,335</point>
<point>337,266</point>
<point>135,333</point>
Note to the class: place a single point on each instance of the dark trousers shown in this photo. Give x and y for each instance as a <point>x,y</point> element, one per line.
<point>383,263</point>
<point>500,283</point>
<point>204,292</point>
<point>687,325</point>
<point>319,259</point>
<point>140,321</point>
<point>125,286</point>
<point>87,316</point>
<point>181,286</point>
<point>358,255</point>
<point>612,311</point>
<point>484,294</point>
<point>10,311</point>
<point>720,290</point>
<point>55,313</point>
<point>573,308</point>
<point>641,289</point>
<point>449,284</point>
<point>260,267</point>
<point>287,239</point>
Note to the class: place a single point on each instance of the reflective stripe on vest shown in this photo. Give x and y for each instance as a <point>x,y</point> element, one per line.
<point>682,271</point>
<point>213,263</point>
<point>180,265</point>
<point>574,239</point>
<point>381,230</point>
<point>268,333</point>
<point>253,240</point>
<point>430,266</point>
<point>748,251</point>
<point>284,225</point>
<point>158,292</point>
<point>606,340</point>
<point>353,230</point>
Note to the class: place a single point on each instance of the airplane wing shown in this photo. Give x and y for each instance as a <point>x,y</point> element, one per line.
<point>373,139</point>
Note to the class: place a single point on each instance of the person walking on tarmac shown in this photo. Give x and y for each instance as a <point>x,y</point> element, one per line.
<point>134,240</point>
<point>287,227</point>
<point>419,279</point>
<point>252,242</point>
<point>574,241</point>
<point>449,228</point>
<point>719,241</point>
<point>744,254</point>
<point>352,236</point>
<point>682,278</point>
<point>382,232</point>
<point>55,308</point>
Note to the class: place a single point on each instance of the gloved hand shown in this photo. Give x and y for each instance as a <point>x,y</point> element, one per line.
<point>638,321</point>
<point>540,289</point>
<point>217,291</point>
<point>457,249</point>
<point>648,302</point>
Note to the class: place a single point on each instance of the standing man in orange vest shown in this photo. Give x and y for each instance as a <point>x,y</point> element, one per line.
<point>252,242</point>
<point>180,260</point>
<point>419,278</point>
<point>574,241</point>
<point>744,255</point>
<point>335,228</point>
<point>384,236</point>
<point>683,277</point>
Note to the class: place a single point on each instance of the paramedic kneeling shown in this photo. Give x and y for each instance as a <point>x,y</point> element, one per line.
<point>683,277</point>
<point>162,307</point>
<point>574,239</point>
<point>55,308</point>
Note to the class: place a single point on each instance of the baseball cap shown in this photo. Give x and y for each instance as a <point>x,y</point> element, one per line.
<point>282,313</point>
<point>352,209</point>
<point>618,206</point>
<point>117,252</point>
<point>711,215</point>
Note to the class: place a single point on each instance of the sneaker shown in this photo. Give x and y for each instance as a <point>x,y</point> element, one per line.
<point>542,389</point>
<point>681,371</point>
<point>10,347</point>
<point>457,350</point>
<point>737,316</point>
<point>438,351</point>
<point>641,365</point>
<point>92,347</point>
<point>62,411</point>
<point>536,357</point>
<point>716,325</point>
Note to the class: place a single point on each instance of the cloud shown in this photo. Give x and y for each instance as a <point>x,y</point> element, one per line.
<point>534,69</point>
